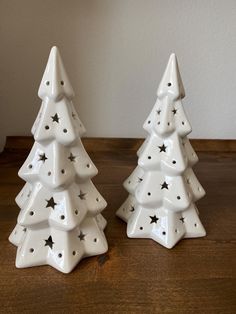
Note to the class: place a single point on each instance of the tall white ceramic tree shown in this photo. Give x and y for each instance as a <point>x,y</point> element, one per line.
<point>60,221</point>
<point>163,188</point>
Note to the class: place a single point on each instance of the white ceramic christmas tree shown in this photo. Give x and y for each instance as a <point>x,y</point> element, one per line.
<point>163,188</point>
<point>60,221</point>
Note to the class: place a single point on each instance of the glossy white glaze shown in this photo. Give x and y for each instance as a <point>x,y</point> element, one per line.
<point>60,221</point>
<point>163,188</point>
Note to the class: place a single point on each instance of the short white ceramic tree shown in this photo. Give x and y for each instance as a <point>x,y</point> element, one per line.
<point>60,221</point>
<point>163,188</point>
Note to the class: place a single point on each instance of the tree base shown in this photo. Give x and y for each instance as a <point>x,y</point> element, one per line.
<point>163,226</point>
<point>60,249</point>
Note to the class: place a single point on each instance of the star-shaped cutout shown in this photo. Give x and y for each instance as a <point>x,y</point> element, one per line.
<point>51,203</point>
<point>174,111</point>
<point>158,111</point>
<point>154,219</point>
<point>73,115</point>
<point>71,157</point>
<point>162,148</point>
<point>164,185</point>
<point>132,209</point>
<point>42,157</point>
<point>49,242</point>
<point>140,180</point>
<point>55,118</point>
<point>82,195</point>
<point>81,236</point>
<point>182,219</point>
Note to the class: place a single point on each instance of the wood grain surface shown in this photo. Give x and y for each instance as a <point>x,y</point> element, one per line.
<point>136,275</point>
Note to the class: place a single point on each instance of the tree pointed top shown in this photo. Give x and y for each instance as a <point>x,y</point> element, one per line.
<point>171,84</point>
<point>55,83</point>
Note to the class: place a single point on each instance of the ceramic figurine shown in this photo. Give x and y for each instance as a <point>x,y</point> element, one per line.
<point>163,188</point>
<point>60,221</point>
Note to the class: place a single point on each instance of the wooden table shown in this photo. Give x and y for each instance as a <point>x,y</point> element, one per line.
<point>136,275</point>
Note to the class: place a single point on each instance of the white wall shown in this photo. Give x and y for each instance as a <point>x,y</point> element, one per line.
<point>115,52</point>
